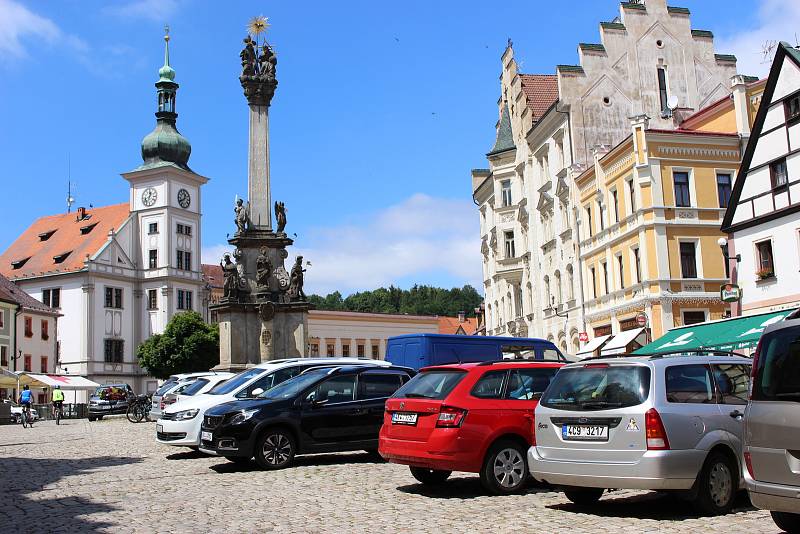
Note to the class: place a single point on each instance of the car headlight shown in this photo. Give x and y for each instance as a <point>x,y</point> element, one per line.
<point>242,416</point>
<point>186,415</point>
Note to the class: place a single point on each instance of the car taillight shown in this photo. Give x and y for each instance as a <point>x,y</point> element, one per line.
<point>450,417</point>
<point>594,365</point>
<point>163,404</point>
<point>748,463</point>
<point>655,432</point>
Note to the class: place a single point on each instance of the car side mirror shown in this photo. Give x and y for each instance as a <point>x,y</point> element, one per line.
<point>319,403</point>
<point>256,392</point>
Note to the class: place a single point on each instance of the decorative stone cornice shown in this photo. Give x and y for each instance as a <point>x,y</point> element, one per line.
<point>696,152</point>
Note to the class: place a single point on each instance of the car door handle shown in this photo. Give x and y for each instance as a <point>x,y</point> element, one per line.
<point>357,412</point>
<point>736,414</point>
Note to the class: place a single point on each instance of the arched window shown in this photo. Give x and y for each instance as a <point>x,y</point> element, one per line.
<point>559,293</point>
<point>547,291</point>
<point>570,283</point>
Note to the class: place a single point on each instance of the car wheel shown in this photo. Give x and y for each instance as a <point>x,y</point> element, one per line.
<point>717,485</point>
<point>275,449</point>
<point>584,497</point>
<point>786,521</point>
<point>504,468</point>
<point>431,477</point>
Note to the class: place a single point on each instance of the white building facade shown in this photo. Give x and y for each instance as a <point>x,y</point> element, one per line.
<point>763,220</point>
<point>118,273</point>
<point>551,127</point>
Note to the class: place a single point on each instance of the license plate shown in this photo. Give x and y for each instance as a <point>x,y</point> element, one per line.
<point>159,428</point>
<point>205,436</point>
<point>584,432</point>
<point>404,418</point>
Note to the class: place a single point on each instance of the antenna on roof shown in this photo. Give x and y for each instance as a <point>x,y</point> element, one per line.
<point>768,50</point>
<point>70,198</point>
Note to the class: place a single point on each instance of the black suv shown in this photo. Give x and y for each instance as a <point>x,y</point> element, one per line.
<point>324,409</point>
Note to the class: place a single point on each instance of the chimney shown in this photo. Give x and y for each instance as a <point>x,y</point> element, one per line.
<point>739,90</point>
<point>81,213</point>
<point>462,317</point>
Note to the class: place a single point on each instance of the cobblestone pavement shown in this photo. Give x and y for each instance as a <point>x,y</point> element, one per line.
<point>111,476</point>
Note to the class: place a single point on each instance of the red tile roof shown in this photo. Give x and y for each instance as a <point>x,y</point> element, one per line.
<point>11,292</point>
<point>66,235</point>
<point>450,325</point>
<point>212,274</point>
<point>541,91</point>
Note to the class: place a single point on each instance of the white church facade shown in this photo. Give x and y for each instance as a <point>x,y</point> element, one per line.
<point>118,273</point>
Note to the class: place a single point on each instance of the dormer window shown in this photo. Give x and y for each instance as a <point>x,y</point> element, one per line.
<point>19,263</point>
<point>88,228</point>
<point>61,257</point>
<point>44,236</point>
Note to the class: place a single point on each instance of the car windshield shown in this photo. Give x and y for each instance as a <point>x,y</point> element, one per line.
<point>198,384</point>
<point>237,381</point>
<point>778,372</point>
<point>294,386</point>
<point>436,384</point>
<point>111,392</point>
<point>166,386</point>
<point>598,386</point>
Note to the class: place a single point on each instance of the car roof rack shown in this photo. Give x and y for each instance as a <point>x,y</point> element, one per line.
<point>521,360</point>
<point>676,353</point>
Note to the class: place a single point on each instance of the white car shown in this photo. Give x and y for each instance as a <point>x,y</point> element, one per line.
<point>170,385</point>
<point>198,386</point>
<point>179,424</point>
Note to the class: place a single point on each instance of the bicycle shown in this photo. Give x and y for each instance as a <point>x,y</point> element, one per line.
<point>139,409</point>
<point>27,418</point>
<point>57,409</point>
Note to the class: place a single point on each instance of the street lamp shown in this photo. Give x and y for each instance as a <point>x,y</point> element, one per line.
<point>723,245</point>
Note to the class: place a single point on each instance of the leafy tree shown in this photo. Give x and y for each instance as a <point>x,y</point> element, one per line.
<point>419,300</point>
<point>188,344</point>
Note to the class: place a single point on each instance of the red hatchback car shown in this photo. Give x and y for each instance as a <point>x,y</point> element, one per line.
<point>474,417</point>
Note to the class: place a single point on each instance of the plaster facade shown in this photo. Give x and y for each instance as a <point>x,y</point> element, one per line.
<point>549,128</point>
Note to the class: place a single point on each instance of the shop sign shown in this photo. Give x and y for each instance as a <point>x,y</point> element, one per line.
<point>730,293</point>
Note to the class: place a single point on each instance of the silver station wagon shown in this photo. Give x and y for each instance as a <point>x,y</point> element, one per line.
<point>664,422</point>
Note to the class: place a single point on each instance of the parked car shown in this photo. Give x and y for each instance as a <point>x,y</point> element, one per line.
<point>772,426</point>
<point>470,417</point>
<point>110,399</point>
<point>198,386</point>
<point>168,385</point>
<point>324,409</point>
<point>667,422</point>
<point>16,411</point>
<point>179,425</point>
<point>423,350</point>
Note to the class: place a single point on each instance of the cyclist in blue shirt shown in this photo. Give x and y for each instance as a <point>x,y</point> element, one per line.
<point>25,400</point>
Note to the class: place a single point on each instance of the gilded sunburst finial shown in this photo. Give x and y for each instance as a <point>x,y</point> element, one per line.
<point>258,25</point>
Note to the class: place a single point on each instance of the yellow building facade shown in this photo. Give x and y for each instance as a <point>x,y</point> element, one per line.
<point>649,222</point>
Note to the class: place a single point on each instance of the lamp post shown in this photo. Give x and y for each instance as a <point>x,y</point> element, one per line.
<point>723,245</point>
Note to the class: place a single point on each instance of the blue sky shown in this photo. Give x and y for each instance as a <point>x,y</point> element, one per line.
<point>382,110</point>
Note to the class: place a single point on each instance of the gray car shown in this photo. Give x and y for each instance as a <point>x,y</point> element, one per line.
<point>772,426</point>
<point>667,423</point>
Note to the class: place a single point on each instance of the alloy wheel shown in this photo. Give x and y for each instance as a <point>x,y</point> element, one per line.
<point>277,449</point>
<point>720,484</point>
<point>509,468</point>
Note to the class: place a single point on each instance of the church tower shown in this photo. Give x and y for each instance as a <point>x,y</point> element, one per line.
<point>165,204</point>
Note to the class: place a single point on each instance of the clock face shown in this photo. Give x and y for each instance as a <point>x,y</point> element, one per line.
<point>184,199</point>
<point>149,196</point>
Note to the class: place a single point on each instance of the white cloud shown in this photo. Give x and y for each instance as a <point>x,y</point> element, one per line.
<point>423,239</point>
<point>18,23</point>
<point>155,10</point>
<point>775,20</point>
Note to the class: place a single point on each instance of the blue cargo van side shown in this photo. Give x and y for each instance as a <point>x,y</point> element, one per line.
<point>421,350</point>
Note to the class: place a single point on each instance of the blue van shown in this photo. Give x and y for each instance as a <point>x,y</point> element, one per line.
<point>421,350</point>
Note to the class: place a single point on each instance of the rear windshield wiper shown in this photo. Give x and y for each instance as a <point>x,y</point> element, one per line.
<point>600,404</point>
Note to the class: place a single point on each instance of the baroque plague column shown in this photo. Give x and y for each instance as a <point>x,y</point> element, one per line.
<point>263,314</point>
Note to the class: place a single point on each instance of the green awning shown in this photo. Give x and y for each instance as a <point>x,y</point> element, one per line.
<point>727,334</point>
